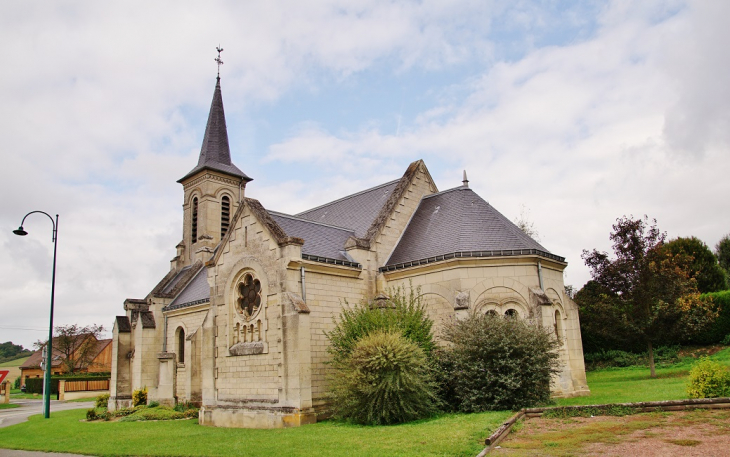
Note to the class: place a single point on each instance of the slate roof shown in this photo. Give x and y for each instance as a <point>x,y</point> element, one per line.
<point>319,239</point>
<point>197,291</point>
<point>215,154</point>
<point>170,285</point>
<point>457,221</point>
<point>356,212</point>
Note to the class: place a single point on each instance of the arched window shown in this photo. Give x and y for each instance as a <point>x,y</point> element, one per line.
<point>195,220</point>
<point>558,326</point>
<point>492,313</point>
<point>511,313</point>
<point>180,345</point>
<point>225,215</point>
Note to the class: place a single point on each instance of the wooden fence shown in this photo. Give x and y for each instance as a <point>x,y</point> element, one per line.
<point>86,385</point>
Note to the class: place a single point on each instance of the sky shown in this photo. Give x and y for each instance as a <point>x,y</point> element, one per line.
<point>571,114</point>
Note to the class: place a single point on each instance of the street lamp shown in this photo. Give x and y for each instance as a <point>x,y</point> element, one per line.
<point>49,346</point>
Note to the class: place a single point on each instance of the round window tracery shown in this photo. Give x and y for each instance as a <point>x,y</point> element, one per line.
<point>249,297</point>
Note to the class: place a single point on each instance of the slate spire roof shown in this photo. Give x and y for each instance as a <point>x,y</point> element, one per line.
<point>460,221</point>
<point>215,153</point>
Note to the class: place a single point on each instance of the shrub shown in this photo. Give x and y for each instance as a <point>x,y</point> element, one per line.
<point>91,414</point>
<point>402,312</point>
<point>102,401</point>
<point>726,340</point>
<point>16,384</point>
<point>385,380</point>
<point>153,404</point>
<point>139,396</point>
<point>184,406</point>
<point>493,363</point>
<point>708,379</point>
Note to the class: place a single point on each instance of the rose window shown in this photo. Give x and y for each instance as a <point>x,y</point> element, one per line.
<point>249,297</point>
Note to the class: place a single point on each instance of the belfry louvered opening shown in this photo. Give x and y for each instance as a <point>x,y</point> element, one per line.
<point>194,221</point>
<point>225,215</point>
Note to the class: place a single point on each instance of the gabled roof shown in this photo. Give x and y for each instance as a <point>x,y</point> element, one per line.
<point>458,221</point>
<point>320,240</point>
<point>215,154</point>
<point>197,291</point>
<point>356,212</point>
<point>34,361</point>
<point>176,280</point>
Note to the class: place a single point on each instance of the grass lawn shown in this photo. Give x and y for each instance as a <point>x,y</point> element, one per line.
<point>447,435</point>
<point>8,405</point>
<point>633,384</point>
<point>14,363</point>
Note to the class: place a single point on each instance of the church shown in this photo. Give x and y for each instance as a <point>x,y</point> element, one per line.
<point>238,323</point>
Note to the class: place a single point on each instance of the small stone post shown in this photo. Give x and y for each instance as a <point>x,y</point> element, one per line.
<point>62,389</point>
<point>6,392</point>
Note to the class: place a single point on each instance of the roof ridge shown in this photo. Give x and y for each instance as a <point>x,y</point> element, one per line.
<point>309,221</point>
<point>349,196</point>
<point>451,190</point>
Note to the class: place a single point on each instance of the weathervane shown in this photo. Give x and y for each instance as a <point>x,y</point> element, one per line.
<point>218,59</point>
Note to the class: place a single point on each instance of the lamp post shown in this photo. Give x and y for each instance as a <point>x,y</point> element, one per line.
<point>49,346</point>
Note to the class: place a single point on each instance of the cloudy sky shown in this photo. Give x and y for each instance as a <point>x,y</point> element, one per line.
<point>572,114</point>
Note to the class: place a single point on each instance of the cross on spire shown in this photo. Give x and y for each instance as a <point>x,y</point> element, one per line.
<point>218,59</point>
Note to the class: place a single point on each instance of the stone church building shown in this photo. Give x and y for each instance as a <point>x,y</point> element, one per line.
<point>238,323</point>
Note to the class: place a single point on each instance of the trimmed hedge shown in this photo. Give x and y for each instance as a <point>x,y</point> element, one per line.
<point>35,386</point>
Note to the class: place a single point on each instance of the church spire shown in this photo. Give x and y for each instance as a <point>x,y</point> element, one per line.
<point>215,153</point>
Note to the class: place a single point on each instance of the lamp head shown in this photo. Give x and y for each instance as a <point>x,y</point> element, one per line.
<point>20,231</point>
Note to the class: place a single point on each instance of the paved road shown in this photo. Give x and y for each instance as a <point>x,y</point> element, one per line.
<point>29,407</point>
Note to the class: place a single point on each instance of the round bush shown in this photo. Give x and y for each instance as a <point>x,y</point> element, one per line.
<point>402,312</point>
<point>385,380</point>
<point>708,379</point>
<point>496,363</point>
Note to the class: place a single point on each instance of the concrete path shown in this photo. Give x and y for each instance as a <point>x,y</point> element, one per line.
<point>29,407</point>
<point>14,453</point>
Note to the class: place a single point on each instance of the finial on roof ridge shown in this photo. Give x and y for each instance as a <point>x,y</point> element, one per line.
<point>465,182</point>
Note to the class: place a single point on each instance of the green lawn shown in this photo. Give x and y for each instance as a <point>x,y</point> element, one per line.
<point>448,435</point>
<point>633,384</point>
<point>14,363</point>
<point>8,405</point>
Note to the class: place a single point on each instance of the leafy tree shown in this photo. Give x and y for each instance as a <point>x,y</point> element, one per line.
<point>701,263</point>
<point>75,346</point>
<point>601,323</point>
<point>496,363</point>
<point>10,351</point>
<point>647,286</point>
<point>722,251</point>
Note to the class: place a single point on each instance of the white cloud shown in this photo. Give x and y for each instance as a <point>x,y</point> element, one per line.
<point>102,109</point>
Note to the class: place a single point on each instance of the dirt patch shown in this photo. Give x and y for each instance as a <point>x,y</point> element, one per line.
<point>661,434</point>
<point>697,352</point>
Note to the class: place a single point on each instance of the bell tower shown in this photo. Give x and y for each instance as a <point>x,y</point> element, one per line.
<point>213,189</point>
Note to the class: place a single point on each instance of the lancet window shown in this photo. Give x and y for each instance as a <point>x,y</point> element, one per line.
<point>194,222</point>
<point>225,214</point>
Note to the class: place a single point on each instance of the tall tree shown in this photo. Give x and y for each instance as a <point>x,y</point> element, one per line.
<point>701,263</point>
<point>75,346</point>
<point>722,251</point>
<point>649,287</point>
